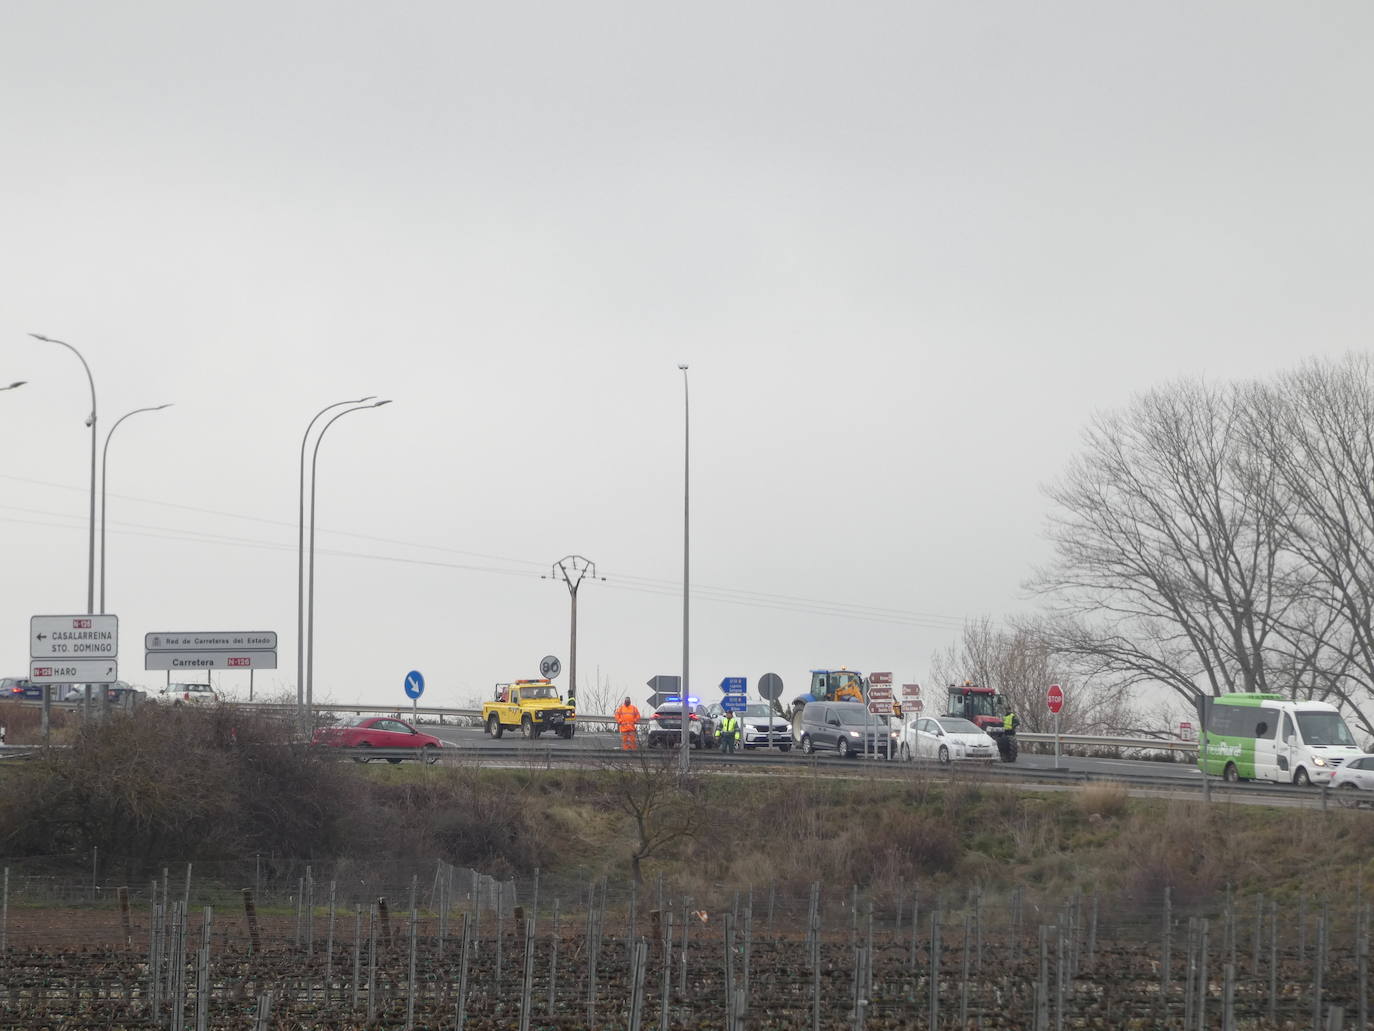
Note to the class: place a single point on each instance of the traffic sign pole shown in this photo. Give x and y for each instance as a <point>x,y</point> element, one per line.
<point>1054,700</point>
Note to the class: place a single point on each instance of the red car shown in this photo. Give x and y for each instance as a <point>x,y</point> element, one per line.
<point>379,732</point>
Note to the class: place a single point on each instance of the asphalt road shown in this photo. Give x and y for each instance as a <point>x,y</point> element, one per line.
<point>475,739</point>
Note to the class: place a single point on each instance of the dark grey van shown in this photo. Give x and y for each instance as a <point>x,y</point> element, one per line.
<point>844,727</point>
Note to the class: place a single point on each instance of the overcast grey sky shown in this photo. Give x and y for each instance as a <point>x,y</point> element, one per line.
<point>906,248</point>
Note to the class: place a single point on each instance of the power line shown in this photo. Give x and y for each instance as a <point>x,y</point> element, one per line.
<point>626,582</point>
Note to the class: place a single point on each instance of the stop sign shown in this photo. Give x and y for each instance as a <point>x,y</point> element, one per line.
<point>1054,698</point>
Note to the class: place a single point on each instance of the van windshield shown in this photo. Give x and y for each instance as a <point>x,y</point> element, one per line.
<point>1324,728</point>
<point>856,716</point>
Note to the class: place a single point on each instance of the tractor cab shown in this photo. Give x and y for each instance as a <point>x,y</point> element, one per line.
<point>980,705</point>
<point>836,685</point>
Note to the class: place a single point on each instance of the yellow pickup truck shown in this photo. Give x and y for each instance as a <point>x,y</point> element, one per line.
<point>530,706</point>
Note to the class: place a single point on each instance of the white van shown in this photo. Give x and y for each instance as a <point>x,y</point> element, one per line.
<point>1267,737</point>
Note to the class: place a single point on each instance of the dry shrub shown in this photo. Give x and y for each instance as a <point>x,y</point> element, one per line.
<point>24,723</point>
<point>1105,798</point>
<point>1186,849</point>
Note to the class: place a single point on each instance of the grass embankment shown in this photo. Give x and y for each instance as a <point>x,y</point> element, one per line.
<point>167,786</point>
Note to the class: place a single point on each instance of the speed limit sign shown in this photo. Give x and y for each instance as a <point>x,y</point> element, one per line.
<point>550,667</point>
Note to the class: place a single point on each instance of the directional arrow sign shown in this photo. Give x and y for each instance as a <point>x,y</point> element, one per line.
<point>734,685</point>
<point>911,690</point>
<point>74,671</point>
<point>415,684</point>
<point>878,693</point>
<point>74,637</point>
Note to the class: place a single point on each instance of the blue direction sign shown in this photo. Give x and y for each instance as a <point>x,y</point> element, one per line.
<point>415,684</point>
<point>735,691</point>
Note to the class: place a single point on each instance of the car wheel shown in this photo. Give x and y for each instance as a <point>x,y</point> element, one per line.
<point>904,753</point>
<point>1348,796</point>
<point>393,761</point>
<point>430,754</point>
<point>1231,775</point>
<point>494,727</point>
<point>526,728</point>
<point>944,755</point>
<point>568,733</point>
<point>1301,779</point>
<point>363,758</point>
<point>843,749</point>
<point>807,746</point>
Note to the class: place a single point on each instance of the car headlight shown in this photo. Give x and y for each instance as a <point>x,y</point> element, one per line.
<point>1318,761</point>
<point>853,733</point>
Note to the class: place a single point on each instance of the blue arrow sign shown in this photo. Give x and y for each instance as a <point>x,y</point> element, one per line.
<point>415,684</point>
<point>735,685</point>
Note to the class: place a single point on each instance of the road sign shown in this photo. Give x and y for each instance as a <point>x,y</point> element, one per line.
<point>247,659</point>
<point>550,667</point>
<point>770,686</point>
<point>880,693</point>
<point>415,684</point>
<point>74,637</point>
<point>664,686</point>
<point>735,685</point>
<point>1054,698</point>
<point>211,641</point>
<point>880,706</point>
<point>74,671</point>
<point>911,690</point>
<point>880,678</point>
<point>913,705</point>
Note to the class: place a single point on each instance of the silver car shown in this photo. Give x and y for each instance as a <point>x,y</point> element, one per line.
<point>1352,780</point>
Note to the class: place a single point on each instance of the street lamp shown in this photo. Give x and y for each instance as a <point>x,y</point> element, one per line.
<point>572,569</point>
<point>90,547</point>
<point>16,383</point>
<point>310,638</point>
<point>685,755</point>
<point>104,483</point>
<point>300,554</point>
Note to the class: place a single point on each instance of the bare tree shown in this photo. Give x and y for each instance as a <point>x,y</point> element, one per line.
<point>663,807</point>
<point>1170,564</point>
<point>1019,663</point>
<point>1315,427</point>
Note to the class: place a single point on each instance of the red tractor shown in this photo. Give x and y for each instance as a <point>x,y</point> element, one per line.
<point>986,708</point>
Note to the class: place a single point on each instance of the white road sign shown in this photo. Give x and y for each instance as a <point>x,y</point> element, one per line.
<point>74,637</point>
<point>245,659</point>
<point>74,671</point>
<point>215,641</point>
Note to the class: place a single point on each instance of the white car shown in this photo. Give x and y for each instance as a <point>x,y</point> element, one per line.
<point>187,694</point>
<point>1352,780</point>
<point>945,738</point>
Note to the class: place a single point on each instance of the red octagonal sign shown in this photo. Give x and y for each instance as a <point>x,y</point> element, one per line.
<point>1054,698</point>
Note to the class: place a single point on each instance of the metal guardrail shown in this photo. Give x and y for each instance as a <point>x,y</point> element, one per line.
<point>1107,741</point>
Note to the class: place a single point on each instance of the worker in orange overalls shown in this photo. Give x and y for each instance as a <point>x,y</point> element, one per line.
<point>627,719</point>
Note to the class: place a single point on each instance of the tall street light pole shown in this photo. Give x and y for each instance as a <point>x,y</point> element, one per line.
<point>310,634</point>
<point>104,484</point>
<point>685,754</point>
<point>573,569</point>
<point>300,556</point>
<point>90,546</point>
